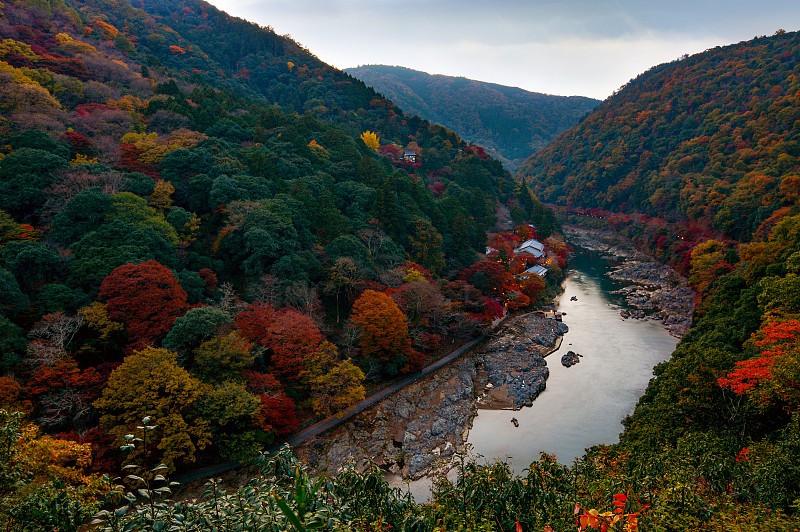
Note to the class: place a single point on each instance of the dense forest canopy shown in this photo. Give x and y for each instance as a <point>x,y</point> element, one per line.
<point>208,237</point>
<point>511,123</point>
<point>697,162</point>
<point>202,223</point>
<point>711,138</point>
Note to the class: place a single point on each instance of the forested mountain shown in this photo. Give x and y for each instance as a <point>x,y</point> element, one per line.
<point>202,223</point>
<point>712,138</point>
<point>511,123</point>
<point>207,237</point>
<point>699,161</point>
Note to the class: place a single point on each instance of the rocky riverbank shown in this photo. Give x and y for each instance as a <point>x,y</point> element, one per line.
<point>406,433</point>
<point>418,429</point>
<point>514,365</point>
<point>656,291</point>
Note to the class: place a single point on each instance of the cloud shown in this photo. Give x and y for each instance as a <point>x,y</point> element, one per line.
<point>586,47</point>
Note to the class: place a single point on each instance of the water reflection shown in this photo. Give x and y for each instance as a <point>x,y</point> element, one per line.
<point>582,405</point>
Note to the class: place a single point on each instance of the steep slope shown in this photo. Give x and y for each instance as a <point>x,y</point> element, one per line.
<point>708,143</point>
<point>189,197</point>
<point>712,138</point>
<point>510,123</point>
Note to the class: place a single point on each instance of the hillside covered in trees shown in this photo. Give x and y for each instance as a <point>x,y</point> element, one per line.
<point>712,138</point>
<point>202,223</point>
<point>208,237</point>
<point>697,161</point>
<point>511,123</point>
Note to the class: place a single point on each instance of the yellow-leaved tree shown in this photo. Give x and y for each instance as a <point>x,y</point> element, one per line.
<point>706,256</point>
<point>95,317</point>
<point>371,139</point>
<point>151,383</point>
<point>335,383</point>
<point>161,198</point>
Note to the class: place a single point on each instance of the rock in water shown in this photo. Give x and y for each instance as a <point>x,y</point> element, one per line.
<point>570,359</point>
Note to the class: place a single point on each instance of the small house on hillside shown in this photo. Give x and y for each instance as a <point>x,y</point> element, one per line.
<point>532,246</point>
<point>541,271</point>
<point>410,156</point>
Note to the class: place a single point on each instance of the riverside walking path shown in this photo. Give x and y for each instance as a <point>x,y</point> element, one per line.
<point>326,424</point>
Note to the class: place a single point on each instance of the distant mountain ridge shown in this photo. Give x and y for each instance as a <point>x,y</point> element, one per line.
<point>511,123</point>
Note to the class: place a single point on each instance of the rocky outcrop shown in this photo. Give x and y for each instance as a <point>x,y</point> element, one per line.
<point>656,292</point>
<point>570,358</point>
<point>519,367</point>
<point>514,367</point>
<point>610,244</point>
<point>420,427</point>
<point>656,287</point>
<point>542,331</point>
<point>514,361</point>
<point>407,433</point>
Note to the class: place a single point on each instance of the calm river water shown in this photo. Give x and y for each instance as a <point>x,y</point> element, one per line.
<point>585,404</point>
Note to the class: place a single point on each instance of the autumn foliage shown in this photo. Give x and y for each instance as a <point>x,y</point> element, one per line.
<point>771,377</point>
<point>214,189</point>
<point>335,383</point>
<point>146,297</point>
<point>290,336</point>
<point>151,383</point>
<point>384,330</point>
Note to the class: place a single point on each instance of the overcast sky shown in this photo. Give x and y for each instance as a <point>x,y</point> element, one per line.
<point>565,47</point>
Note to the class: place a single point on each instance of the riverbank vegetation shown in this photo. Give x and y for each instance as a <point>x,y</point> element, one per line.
<point>202,222</point>
<point>708,189</point>
<point>197,226</point>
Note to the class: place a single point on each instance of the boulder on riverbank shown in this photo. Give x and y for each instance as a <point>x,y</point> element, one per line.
<point>514,362</point>
<point>655,287</point>
<point>543,331</point>
<point>570,358</point>
<point>516,365</point>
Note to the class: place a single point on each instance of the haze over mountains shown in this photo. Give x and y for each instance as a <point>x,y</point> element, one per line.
<point>202,222</point>
<point>510,123</point>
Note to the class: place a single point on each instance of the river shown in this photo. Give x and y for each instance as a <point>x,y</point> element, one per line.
<point>585,404</point>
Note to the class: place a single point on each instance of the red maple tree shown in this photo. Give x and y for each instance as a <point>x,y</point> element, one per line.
<point>778,337</point>
<point>146,297</point>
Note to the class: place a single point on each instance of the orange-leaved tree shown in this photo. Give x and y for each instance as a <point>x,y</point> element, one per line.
<point>38,472</point>
<point>384,331</point>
